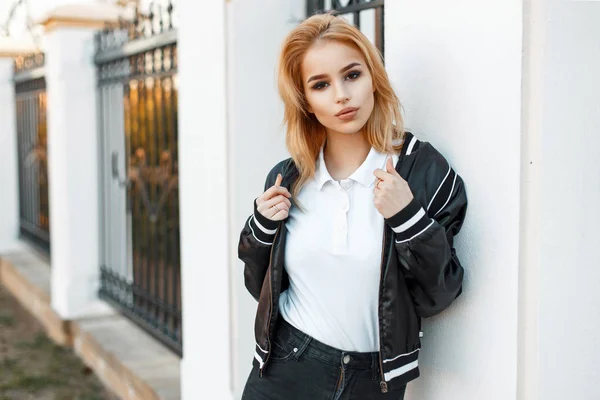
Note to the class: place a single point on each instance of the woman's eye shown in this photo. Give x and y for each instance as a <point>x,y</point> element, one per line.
<point>353,75</point>
<point>320,85</point>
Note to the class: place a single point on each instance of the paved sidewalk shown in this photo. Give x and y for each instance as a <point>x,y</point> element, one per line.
<point>32,367</point>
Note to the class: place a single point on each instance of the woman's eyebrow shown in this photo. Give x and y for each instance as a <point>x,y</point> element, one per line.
<point>347,67</point>
<point>321,76</point>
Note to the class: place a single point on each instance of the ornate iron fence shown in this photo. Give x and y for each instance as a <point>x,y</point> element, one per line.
<point>367,15</point>
<point>137,86</point>
<point>30,88</point>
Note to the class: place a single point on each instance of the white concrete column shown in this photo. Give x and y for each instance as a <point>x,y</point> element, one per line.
<point>255,112</point>
<point>457,69</point>
<point>9,173</point>
<point>560,269</point>
<point>204,200</point>
<point>73,170</point>
<point>73,162</point>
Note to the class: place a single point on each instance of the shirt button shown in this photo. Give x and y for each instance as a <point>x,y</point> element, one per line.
<point>346,359</point>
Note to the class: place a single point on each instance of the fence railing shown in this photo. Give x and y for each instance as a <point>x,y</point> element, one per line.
<point>30,88</point>
<point>366,15</point>
<point>137,86</point>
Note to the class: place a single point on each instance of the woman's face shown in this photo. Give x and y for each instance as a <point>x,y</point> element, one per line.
<point>338,86</point>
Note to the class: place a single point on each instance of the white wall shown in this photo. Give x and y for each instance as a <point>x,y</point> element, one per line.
<point>9,182</point>
<point>256,141</point>
<point>457,69</point>
<point>562,111</point>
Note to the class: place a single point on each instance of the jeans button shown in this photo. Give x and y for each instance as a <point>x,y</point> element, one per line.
<point>346,359</point>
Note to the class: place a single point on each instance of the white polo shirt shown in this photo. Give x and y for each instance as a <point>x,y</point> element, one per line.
<point>333,258</point>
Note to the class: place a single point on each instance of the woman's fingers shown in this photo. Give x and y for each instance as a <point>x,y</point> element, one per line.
<point>280,201</point>
<point>278,180</point>
<point>279,215</point>
<point>381,174</point>
<point>274,191</point>
<point>275,212</point>
<point>274,203</point>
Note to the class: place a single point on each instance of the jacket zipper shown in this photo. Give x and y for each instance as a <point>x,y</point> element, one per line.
<point>382,383</point>
<point>270,302</point>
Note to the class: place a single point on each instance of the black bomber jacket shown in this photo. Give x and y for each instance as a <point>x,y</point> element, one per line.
<point>420,272</point>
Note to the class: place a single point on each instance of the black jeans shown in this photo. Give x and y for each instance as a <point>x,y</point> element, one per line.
<point>302,368</point>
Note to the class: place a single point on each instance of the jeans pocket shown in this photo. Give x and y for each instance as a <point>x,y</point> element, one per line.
<point>282,350</point>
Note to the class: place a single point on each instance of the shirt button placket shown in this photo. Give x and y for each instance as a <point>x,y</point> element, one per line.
<point>344,220</point>
<point>340,220</point>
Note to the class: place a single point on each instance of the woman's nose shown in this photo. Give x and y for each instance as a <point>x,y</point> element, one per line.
<point>342,96</point>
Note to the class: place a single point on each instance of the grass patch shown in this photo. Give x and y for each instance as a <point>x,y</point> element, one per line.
<point>40,342</point>
<point>92,397</point>
<point>32,366</point>
<point>7,320</point>
<point>8,364</point>
<point>32,384</point>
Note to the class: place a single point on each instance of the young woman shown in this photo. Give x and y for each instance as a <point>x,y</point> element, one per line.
<point>351,243</point>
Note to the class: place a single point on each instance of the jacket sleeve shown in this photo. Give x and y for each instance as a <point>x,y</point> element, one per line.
<point>424,240</point>
<point>254,247</point>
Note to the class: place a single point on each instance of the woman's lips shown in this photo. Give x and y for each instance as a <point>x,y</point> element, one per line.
<point>347,113</point>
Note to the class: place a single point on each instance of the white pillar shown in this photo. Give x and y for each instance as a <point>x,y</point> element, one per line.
<point>457,69</point>
<point>73,155</point>
<point>204,201</point>
<point>559,299</point>
<point>255,112</point>
<point>73,170</point>
<point>9,181</point>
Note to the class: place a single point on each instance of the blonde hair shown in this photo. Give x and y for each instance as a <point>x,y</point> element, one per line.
<point>305,134</point>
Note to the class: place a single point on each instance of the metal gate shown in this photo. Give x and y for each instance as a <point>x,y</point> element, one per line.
<point>137,86</point>
<point>30,90</point>
<point>366,15</point>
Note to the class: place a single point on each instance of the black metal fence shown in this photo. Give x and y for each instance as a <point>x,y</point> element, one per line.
<point>137,86</point>
<point>30,88</point>
<point>367,15</point>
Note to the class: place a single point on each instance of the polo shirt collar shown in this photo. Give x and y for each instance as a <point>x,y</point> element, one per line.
<point>363,174</point>
<point>321,174</point>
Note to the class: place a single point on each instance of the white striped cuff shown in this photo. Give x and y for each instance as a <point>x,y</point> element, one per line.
<point>260,233</point>
<point>404,366</point>
<point>409,222</point>
<point>263,229</point>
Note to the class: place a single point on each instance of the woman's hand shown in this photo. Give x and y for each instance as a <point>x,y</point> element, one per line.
<point>391,191</point>
<point>274,204</point>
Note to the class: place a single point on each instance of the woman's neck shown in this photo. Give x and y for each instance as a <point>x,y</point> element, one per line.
<point>344,153</point>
